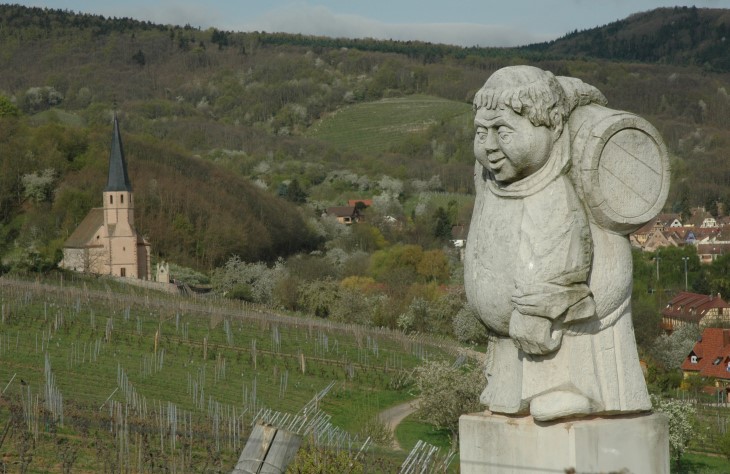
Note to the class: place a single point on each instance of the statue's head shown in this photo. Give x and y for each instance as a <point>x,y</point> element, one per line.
<point>520,112</point>
<point>528,91</point>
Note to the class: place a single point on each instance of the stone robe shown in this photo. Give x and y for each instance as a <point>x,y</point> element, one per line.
<point>532,244</point>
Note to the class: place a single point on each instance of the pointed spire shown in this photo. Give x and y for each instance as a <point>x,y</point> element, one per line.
<point>118,178</point>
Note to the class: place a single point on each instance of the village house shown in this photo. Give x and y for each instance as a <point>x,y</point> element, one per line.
<point>710,252</point>
<point>710,357</point>
<point>711,236</point>
<point>106,242</point>
<point>693,308</point>
<point>654,234</point>
<point>344,214</point>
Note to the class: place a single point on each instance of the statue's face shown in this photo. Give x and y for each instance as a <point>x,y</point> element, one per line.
<point>509,146</point>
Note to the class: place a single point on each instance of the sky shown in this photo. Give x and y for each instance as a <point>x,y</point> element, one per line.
<point>457,22</point>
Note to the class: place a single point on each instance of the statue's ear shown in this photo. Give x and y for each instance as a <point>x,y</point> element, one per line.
<point>557,123</point>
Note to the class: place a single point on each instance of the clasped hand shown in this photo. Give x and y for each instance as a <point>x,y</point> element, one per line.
<point>534,334</point>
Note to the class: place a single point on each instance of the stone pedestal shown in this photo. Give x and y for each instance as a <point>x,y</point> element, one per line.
<point>501,444</point>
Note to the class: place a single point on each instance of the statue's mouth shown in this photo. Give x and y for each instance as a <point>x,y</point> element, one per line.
<point>495,161</point>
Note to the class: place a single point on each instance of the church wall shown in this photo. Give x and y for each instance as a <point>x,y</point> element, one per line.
<point>124,256</point>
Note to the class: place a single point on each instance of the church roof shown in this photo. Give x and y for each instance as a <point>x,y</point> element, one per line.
<point>84,233</point>
<point>118,178</point>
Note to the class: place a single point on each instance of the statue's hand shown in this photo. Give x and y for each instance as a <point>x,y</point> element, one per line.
<point>534,334</point>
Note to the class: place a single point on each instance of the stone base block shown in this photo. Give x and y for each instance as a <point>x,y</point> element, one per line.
<point>500,444</point>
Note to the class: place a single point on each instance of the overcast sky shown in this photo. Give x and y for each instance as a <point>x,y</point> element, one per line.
<point>460,22</point>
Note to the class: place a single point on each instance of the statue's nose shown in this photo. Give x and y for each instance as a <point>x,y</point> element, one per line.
<point>490,143</point>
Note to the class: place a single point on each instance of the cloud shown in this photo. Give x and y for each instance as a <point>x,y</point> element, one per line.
<point>318,20</point>
<point>167,13</point>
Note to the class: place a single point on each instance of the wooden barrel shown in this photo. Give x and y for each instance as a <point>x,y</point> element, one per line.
<point>620,167</point>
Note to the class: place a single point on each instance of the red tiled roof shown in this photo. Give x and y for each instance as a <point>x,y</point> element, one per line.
<point>692,307</point>
<point>646,228</point>
<point>713,354</point>
<point>713,249</point>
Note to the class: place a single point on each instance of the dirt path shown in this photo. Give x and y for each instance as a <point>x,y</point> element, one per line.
<point>394,415</point>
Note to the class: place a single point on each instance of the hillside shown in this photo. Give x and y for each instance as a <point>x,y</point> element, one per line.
<point>206,114</point>
<point>681,36</point>
<point>100,378</point>
<point>196,213</point>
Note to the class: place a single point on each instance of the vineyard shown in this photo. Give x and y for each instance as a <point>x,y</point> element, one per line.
<point>99,378</point>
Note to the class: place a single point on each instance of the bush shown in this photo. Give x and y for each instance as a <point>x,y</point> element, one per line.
<point>242,291</point>
<point>311,459</point>
<point>447,392</point>
<point>682,423</point>
<point>468,327</point>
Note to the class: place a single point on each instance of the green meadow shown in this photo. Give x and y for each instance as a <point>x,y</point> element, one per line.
<point>375,127</point>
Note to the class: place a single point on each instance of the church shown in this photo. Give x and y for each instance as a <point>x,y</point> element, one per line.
<point>106,243</point>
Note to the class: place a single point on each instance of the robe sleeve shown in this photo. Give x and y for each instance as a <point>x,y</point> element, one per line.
<point>555,255</point>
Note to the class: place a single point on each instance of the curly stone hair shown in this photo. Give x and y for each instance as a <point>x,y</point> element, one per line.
<point>534,93</point>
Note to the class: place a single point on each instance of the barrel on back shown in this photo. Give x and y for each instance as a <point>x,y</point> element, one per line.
<point>620,167</point>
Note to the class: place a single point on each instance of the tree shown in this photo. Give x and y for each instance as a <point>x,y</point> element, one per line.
<point>139,58</point>
<point>682,424</point>
<point>646,318</point>
<point>670,350</point>
<point>467,326</point>
<point>442,224</point>
<point>249,281</point>
<point>295,193</point>
<point>447,392</point>
<point>433,266</point>
<point>319,297</point>
<point>7,108</point>
<point>38,187</point>
<point>398,260</point>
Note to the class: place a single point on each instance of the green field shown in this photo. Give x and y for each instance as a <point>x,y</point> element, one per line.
<point>130,379</point>
<point>701,464</point>
<point>375,127</point>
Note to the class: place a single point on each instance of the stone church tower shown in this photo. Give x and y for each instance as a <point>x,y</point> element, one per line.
<point>106,242</point>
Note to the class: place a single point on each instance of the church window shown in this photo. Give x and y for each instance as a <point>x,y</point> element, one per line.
<point>121,198</point>
<point>123,272</point>
<point>111,199</point>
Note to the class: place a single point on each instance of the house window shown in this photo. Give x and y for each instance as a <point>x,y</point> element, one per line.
<point>717,361</point>
<point>111,199</point>
<point>121,198</point>
<point>693,359</point>
<point>123,272</point>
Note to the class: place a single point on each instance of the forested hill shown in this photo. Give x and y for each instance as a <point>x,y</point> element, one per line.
<point>218,124</point>
<point>681,36</point>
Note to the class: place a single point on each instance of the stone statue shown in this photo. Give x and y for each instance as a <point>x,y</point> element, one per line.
<point>560,182</point>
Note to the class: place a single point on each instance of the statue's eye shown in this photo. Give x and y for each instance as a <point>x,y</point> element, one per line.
<point>481,135</point>
<point>505,136</point>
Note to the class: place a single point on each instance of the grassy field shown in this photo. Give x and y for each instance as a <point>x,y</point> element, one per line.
<point>375,127</point>
<point>109,380</point>
<point>700,464</point>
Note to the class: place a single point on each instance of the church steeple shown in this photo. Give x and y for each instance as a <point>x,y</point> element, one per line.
<point>118,178</point>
